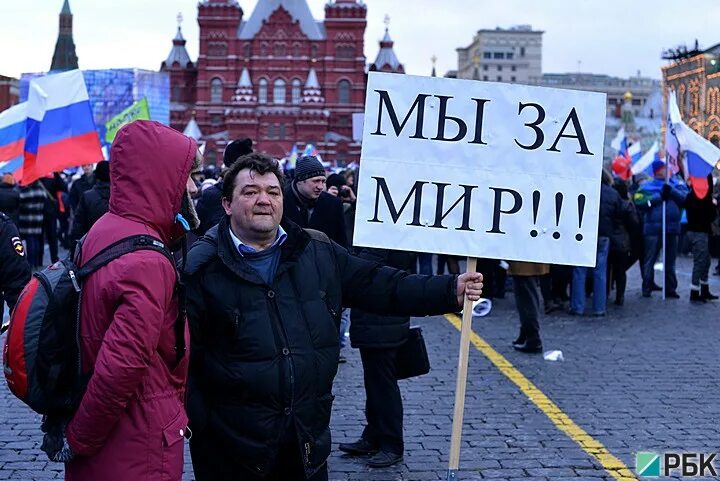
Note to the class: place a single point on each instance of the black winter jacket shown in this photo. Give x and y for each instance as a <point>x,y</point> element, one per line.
<point>328,215</point>
<point>265,356</point>
<point>94,203</point>
<point>209,208</point>
<point>611,210</point>
<point>79,187</point>
<point>10,201</point>
<point>373,331</point>
<point>14,267</point>
<point>700,212</point>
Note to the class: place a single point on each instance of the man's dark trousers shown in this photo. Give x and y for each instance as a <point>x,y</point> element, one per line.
<point>383,406</point>
<point>212,461</point>
<point>527,298</point>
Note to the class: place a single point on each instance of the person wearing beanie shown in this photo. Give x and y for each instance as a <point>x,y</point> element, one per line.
<point>649,200</point>
<point>94,203</point>
<point>308,205</point>
<point>209,205</point>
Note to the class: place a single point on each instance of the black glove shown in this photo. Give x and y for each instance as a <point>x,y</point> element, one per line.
<point>665,192</point>
<point>55,443</point>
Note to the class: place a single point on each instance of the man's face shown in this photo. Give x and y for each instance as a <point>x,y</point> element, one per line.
<point>257,202</point>
<point>191,187</point>
<point>87,169</point>
<point>312,187</point>
<point>660,173</point>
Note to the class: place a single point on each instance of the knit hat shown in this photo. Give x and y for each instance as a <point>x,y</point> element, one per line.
<point>236,149</point>
<point>308,167</point>
<point>336,180</point>
<point>657,165</point>
<point>102,171</point>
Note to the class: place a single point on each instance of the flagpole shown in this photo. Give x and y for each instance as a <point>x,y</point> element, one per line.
<point>664,230</point>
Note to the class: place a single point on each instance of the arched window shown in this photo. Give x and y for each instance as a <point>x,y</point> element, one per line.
<point>263,49</point>
<point>296,50</point>
<point>313,51</point>
<point>216,91</point>
<point>281,133</point>
<point>175,97</point>
<point>343,92</point>
<point>247,50</point>
<point>295,93</point>
<point>279,92</point>
<point>263,91</point>
<point>280,50</point>
<point>271,131</point>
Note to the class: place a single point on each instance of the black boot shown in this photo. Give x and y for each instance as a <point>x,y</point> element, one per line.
<point>705,292</point>
<point>695,296</point>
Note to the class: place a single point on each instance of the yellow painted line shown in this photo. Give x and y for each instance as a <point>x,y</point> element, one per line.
<point>587,443</point>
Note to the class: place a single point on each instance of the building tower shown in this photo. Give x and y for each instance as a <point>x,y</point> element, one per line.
<point>183,76</point>
<point>65,57</point>
<point>386,60</point>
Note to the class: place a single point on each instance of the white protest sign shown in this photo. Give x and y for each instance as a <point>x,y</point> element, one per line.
<point>480,169</point>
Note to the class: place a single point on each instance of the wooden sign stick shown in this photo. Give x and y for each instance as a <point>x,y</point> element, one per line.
<point>461,381</point>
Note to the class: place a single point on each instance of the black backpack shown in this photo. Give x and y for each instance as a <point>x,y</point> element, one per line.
<point>42,361</point>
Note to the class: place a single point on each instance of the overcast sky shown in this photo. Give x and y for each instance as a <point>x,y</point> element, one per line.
<point>616,37</point>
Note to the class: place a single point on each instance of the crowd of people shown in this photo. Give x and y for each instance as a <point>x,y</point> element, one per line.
<point>258,301</point>
<point>274,291</point>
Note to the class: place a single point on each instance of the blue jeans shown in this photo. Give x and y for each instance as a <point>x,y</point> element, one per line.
<point>344,326</point>
<point>577,294</point>
<point>425,263</point>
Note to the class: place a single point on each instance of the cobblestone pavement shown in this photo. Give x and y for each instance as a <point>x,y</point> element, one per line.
<point>642,379</point>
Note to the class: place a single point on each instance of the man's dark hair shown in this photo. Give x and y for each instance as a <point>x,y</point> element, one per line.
<point>256,162</point>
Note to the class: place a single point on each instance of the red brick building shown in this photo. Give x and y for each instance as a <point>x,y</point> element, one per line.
<point>278,76</point>
<point>9,92</point>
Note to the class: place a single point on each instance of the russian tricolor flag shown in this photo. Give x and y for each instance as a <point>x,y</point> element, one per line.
<point>12,139</point>
<point>644,163</point>
<point>60,129</point>
<point>701,157</point>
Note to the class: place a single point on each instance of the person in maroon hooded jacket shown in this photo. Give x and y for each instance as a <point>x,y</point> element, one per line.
<point>131,421</point>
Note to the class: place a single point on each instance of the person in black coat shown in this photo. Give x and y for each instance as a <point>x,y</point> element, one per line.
<point>81,185</point>
<point>263,305</point>
<point>93,204</point>
<point>625,242</point>
<point>14,267</point>
<point>308,205</point>
<point>379,339</point>
<point>609,216</point>
<point>9,197</point>
<point>701,212</point>
<point>53,206</point>
<point>209,207</point>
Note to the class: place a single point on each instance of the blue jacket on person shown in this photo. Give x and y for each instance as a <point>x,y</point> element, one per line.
<point>649,201</point>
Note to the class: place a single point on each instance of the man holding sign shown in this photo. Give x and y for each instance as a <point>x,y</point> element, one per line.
<point>477,169</point>
<point>264,304</point>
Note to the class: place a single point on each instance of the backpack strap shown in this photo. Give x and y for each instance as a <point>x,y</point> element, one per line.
<point>122,247</point>
<point>137,243</point>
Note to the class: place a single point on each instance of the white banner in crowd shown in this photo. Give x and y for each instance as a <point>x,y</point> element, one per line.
<point>480,169</point>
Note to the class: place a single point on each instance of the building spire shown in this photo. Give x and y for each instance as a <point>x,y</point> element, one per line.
<point>386,60</point>
<point>434,61</point>
<point>64,57</point>
<point>178,53</point>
